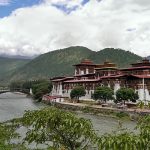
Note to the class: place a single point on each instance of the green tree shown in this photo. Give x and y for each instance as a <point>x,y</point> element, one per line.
<point>16,85</point>
<point>7,133</point>
<point>77,92</point>
<point>126,94</point>
<point>60,129</point>
<point>103,93</point>
<point>40,89</point>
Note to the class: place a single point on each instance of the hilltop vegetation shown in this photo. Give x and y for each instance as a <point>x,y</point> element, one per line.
<point>120,57</point>
<point>59,62</point>
<point>9,65</point>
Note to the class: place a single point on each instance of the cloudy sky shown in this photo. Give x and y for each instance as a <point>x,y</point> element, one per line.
<point>31,27</point>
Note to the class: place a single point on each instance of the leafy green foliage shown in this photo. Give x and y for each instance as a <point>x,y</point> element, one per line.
<point>77,92</point>
<point>103,93</point>
<point>120,141</point>
<point>128,141</point>
<point>58,128</point>
<point>144,136</point>
<point>7,133</point>
<point>41,88</point>
<point>62,130</point>
<point>126,94</point>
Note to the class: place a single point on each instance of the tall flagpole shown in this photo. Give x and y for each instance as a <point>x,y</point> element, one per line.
<point>144,96</point>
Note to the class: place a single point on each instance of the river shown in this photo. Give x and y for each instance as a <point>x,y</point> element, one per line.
<point>13,105</point>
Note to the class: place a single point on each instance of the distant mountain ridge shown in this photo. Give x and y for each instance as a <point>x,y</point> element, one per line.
<point>17,56</point>
<point>59,62</point>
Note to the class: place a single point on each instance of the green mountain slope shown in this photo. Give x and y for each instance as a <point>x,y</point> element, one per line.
<point>120,57</point>
<point>59,62</point>
<point>9,65</point>
<point>55,63</point>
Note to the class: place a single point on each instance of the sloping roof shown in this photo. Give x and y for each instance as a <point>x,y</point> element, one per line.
<point>135,68</point>
<point>142,76</point>
<point>83,75</point>
<point>113,76</point>
<point>62,79</point>
<point>86,80</point>
<point>124,75</point>
<point>106,68</point>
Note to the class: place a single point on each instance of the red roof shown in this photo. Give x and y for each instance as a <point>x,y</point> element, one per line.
<point>87,62</point>
<point>80,75</point>
<point>134,68</point>
<point>112,76</point>
<point>65,78</point>
<point>142,76</point>
<point>86,80</point>
<point>123,75</point>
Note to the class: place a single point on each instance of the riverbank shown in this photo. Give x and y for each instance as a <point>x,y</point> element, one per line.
<point>132,114</point>
<point>14,105</point>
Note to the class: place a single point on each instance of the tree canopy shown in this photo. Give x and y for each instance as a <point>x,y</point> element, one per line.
<point>62,130</point>
<point>126,94</point>
<point>41,88</point>
<point>77,92</point>
<point>58,128</point>
<point>7,133</point>
<point>103,93</point>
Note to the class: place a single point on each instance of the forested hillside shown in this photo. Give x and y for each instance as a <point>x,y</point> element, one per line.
<point>59,62</point>
<point>55,63</point>
<point>9,65</point>
<point>120,57</point>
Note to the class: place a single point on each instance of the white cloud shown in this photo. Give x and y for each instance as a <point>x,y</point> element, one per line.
<point>4,2</point>
<point>110,23</point>
<point>68,3</point>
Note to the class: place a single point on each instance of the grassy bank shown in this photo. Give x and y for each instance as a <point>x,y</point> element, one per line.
<point>118,114</point>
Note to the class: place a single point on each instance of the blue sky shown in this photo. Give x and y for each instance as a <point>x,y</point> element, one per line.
<point>6,10</point>
<point>64,7</point>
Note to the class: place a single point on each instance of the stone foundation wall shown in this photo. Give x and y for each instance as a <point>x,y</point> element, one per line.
<point>103,110</point>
